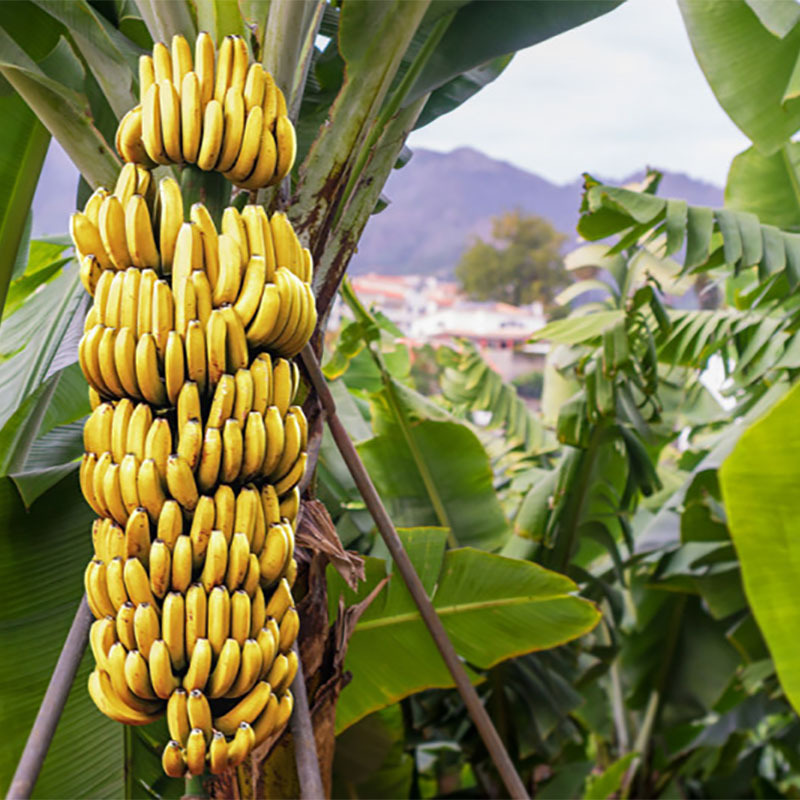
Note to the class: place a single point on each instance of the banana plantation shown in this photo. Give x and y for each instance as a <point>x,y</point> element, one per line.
<point>248,554</point>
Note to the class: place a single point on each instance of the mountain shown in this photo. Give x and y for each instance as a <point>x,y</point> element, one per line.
<point>440,201</point>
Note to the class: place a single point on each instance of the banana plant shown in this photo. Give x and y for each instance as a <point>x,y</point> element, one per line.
<point>358,77</point>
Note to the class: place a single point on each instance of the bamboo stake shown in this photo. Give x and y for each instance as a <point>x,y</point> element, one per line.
<point>305,748</point>
<point>477,712</point>
<point>52,706</point>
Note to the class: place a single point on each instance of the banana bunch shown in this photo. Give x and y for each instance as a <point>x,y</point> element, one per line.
<point>221,113</point>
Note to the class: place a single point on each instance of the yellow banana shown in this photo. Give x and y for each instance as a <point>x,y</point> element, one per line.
<point>112,313</point>
<point>124,625</point>
<point>209,238</point>
<point>274,555</point>
<point>182,563</point>
<point>218,753</point>
<point>291,448</point>
<point>254,86</point>
<point>163,309</point>
<point>112,494</point>
<point>224,68</point>
<point>172,760</point>
<point>125,361</point>
<point>282,385</point>
<point>266,318</point>
<point>188,255</point>
<point>204,66</point>
<point>283,240</point>
<point>170,110</point>
<point>98,477</point>
<point>137,675</point>
<point>162,62</point>
<point>181,482</point>
<point>195,752</point>
<point>293,476</point>
<point>98,431</point>
<point>125,185</point>
<point>268,643</point>
<point>264,170</point>
<point>289,628</point>
<point>211,143</point>
<point>137,583</point>
<point>239,67</point>
<point>219,618</point>
<point>281,102</point>
<point>102,636</point>
<point>147,375</point>
<point>233,226</point>
<point>276,439</point>
<point>240,613</point>
<point>287,147</point>
<point>129,138</point>
<point>109,702</point>
<point>115,583</point>
<point>105,357</point>
<point>161,675</point>
<point>243,400</point>
<point>87,241</point>
<point>232,451</point>
<point>170,524</point>
<point>246,710</point>
<point>280,601</point>
<point>261,370</point>
<point>171,213</point>
<point>190,442</point>
<point>90,272</point>
<point>97,589</point>
<point>101,293</point>
<point>158,446</point>
<point>252,287</point>
<point>259,528</point>
<point>245,514</point>
<point>233,108</point>
<point>148,484</point>
<point>178,716</point>
<point>200,532</point>
<point>293,291</point>
<point>251,665</point>
<point>174,366</point>
<point>290,506</point>
<point>146,628</point>
<point>226,287</point>
<point>160,568</point>
<point>216,346</point>
<point>94,398</point>
<point>271,505</point>
<point>202,293</point>
<point>147,76</point>
<point>129,306</point>
<point>278,672</point>
<point>181,60</point>
<point>258,610</point>
<point>223,402</point>
<point>249,148</point>
<point>210,459</point>
<point>270,102</point>
<point>172,629</point>
<point>115,543</point>
<point>144,312</point>
<point>284,708</point>
<point>200,712</point>
<point>216,563</point>
<point>188,404</point>
<point>265,723</point>
<point>196,676</point>
<point>195,343</point>
<point>238,559</point>
<point>235,340</point>
<point>86,479</point>
<point>196,614</point>
<point>151,126</point>
<point>137,536</point>
<point>226,670</point>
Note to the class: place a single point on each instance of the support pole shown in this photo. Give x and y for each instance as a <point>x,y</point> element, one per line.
<point>305,748</point>
<point>477,712</point>
<point>52,705</point>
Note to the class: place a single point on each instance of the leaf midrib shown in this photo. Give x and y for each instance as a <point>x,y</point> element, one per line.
<point>504,602</point>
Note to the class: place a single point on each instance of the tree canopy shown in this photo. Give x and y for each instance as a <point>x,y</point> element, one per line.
<point>521,263</point>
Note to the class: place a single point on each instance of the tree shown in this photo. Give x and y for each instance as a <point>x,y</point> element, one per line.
<point>521,264</point>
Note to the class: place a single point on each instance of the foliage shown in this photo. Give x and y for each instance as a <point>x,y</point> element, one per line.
<point>521,263</point>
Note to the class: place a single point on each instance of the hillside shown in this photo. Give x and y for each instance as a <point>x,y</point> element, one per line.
<point>439,201</point>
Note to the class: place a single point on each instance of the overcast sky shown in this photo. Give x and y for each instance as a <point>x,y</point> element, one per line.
<point>610,97</point>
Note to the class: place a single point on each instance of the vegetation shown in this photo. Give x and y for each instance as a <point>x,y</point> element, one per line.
<point>521,264</point>
<point>616,572</point>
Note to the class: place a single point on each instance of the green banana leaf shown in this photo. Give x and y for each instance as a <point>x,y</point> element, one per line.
<point>748,68</point>
<point>43,553</point>
<point>23,146</point>
<point>767,186</point>
<point>759,488</point>
<point>492,607</point>
<point>461,476</point>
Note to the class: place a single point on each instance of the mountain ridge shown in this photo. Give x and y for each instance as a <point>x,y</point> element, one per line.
<point>439,202</point>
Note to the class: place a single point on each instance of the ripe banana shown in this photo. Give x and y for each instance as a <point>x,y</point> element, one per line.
<point>218,753</point>
<point>181,482</point>
<point>232,451</point>
<point>196,613</point>
<point>240,613</point>
<point>178,716</point>
<point>210,460</point>
<point>204,66</point>
<point>243,400</point>
<point>233,108</point>
<point>246,710</point>
<point>199,712</point>
<point>215,565</point>
<point>146,628</point>
<point>124,625</point>
<point>171,219</point>
<point>172,628</point>
<point>182,564</point>
<point>211,142</point>
<point>223,402</point>
<point>172,761</point>
<point>249,671</point>
<point>200,532</point>
<point>161,674</point>
<point>226,669</point>
<point>225,503</point>
<point>160,568</point>
<point>196,676</point>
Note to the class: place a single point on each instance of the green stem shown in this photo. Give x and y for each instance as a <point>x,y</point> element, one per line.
<point>391,108</point>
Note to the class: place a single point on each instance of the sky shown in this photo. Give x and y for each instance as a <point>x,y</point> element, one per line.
<point>619,93</point>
